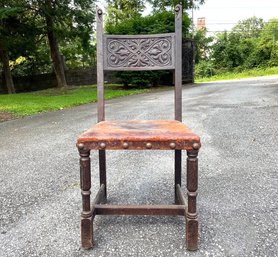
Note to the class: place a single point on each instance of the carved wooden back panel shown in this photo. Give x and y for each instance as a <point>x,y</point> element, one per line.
<point>140,52</point>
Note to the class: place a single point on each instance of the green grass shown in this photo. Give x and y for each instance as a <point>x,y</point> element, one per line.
<point>23,104</point>
<point>238,75</point>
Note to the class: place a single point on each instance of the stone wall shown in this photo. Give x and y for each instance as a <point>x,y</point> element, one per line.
<point>74,77</point>
<point>187,61</point>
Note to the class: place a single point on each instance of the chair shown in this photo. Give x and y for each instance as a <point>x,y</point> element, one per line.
<point>140,52</point>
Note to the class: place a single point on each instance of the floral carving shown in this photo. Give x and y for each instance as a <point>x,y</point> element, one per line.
<point>139,52</point>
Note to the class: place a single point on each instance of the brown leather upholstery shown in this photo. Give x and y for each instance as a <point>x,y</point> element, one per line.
<point>139,135</point>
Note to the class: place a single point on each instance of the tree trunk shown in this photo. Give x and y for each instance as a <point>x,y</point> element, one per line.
<point>6,71</point>
<point>54,49</point>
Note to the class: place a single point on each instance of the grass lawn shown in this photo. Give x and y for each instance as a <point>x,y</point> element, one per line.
<point>23,104</point>
<point>239,75</point>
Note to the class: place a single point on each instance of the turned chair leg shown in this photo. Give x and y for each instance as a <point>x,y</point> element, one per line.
<point>102,173</point>
<point>177,173</point>
<point>85,185</point>
<point>191,214</point>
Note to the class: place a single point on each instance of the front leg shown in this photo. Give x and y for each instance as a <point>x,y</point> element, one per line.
<point>191,215</point>
<point>85,185</point>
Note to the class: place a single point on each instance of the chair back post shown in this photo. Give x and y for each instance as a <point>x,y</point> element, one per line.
<point>177,65</point>
<point>178,62</point>
<point>100,73</point>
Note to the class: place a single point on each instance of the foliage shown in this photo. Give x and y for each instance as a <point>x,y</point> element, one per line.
<point>163,5</point>
<point>237,74</point>
<point>204,69</point>
<point>249,28</point>
<point>227,51</point>
<point>54,99</point>
<point>70,20</point>
<point>162,22</point>
<point>73,26</point>
<point>119,10</point>
<point>17,36</point>
<point>268,43</point>
<point>16,31</point>
<point>202,45</point>
<point>251,43</point>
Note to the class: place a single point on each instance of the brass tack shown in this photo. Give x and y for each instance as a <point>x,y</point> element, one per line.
<point>80,146</point>
<point>149,145</point>
<point>172,145</point>
<point>125,145</point>
<point>102,145</point>
<point>196,146</point>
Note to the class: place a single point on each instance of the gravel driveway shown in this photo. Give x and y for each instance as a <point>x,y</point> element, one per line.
<point>238,211</point>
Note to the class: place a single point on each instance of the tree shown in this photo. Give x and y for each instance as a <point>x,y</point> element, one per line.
<point>49,12</point>
<point>249,28</point>
<point>268,42</point>
<point>5,15</point>
<point>63,21</point>
<point>202,45</point>
<point>238,48</point>
<point>163,22</point>
<point>252,43</point>
<point>160,22</point>
<point>16,37</point>
<point>163,5</point>
<point>119,10</point>
<point>4,57</point>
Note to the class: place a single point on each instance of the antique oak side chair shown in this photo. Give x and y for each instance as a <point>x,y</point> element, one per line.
<point>140,52</point>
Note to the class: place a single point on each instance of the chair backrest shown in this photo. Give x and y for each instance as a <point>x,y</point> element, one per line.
<point>140,52</point>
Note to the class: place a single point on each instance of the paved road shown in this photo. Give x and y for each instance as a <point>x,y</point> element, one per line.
<point>238,209</point>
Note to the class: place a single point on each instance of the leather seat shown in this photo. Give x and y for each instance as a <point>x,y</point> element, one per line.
<point>139,135</point>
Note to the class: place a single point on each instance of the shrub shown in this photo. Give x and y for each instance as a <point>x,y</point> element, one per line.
<point>204,69</point>
<point>162,22</point>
